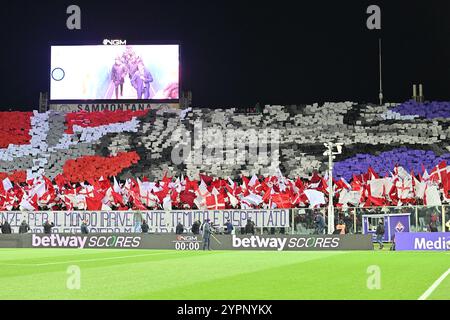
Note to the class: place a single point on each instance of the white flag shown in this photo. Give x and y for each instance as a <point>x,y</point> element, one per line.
<point>105,207</point>
<point>253,181</point>
<point>25,205</point>
<point>117,188</point>
<point>377,186</point>
<point>403,174</point>
<point>167,203</point>
<point>315,198</point>
<point>419,188</point>
<point>253,199</point>
<point>39,189</point>
<point>433,197</point>
<point>233,200</point>
<point>203,189</point>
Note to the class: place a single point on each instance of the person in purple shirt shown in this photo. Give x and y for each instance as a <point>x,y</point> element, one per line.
<point>132,65</point>
<point>141,82</point>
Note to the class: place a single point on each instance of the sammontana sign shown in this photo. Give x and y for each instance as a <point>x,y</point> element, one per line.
<point>97,107</point>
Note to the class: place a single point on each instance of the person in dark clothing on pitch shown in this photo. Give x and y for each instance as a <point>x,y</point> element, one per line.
<point>179,228</point>
<point>144,227</point>
<point>6,228</point>
<point>393,243</point>
<point>433,227</point>
<point>24,227</point>
<point>206,233</point>
<point>205,221</point>
<point>319,222</point>
<point>48,227</point>
<point>84,227</point>
<point>380,233</point>
<point>229,227</point>
<point>250,227</point>
<point>196,227</point>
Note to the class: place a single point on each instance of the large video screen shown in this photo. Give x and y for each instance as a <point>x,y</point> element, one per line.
<point>126,72</point>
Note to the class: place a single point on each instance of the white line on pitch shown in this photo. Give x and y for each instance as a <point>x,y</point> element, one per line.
<point>434,286</point>
<point>84,260</point>
<point>17,265</point>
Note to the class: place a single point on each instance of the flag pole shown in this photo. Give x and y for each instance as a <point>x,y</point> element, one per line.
<point>330,191</point>
<point>381,74</point>
<point>216,239</point>
<point>330,220</point>
<point>331,155</point>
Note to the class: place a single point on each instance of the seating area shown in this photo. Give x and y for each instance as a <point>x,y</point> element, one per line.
<point>283,141</point>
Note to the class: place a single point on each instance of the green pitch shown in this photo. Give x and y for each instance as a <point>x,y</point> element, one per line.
<point>136,274</point>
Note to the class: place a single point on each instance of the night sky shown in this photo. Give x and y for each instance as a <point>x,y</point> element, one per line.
<point>238,53</point>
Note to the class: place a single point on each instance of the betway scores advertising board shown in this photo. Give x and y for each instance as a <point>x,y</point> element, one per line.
<point>188,242</point>
<point>431,241</point>
<point>158,221</point>
<point>301,243</point>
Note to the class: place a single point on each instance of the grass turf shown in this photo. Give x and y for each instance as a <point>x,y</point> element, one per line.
<point>142,274</point>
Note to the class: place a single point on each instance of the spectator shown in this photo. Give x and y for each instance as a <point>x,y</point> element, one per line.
<point>348,223</point>
<point>250,227</point>
<point>319,221</point>
<point>301,222</point>
<point>24,227</point>
<point>433,226</point>
<point>48,227</point>
<point>206,221</point>
<point>341,226</point>
<point>380,233</point>
<point>6,228</point>
<point>229,227</point>
<point>179,228</point>
<point>84,227</point>
<point>297,225</point>
<point>144,227</point>
<point>434,217</point>
<point>213,227</point>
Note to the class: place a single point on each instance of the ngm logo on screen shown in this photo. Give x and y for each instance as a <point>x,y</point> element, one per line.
<point>187,243</point>
<point>108,42</point>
